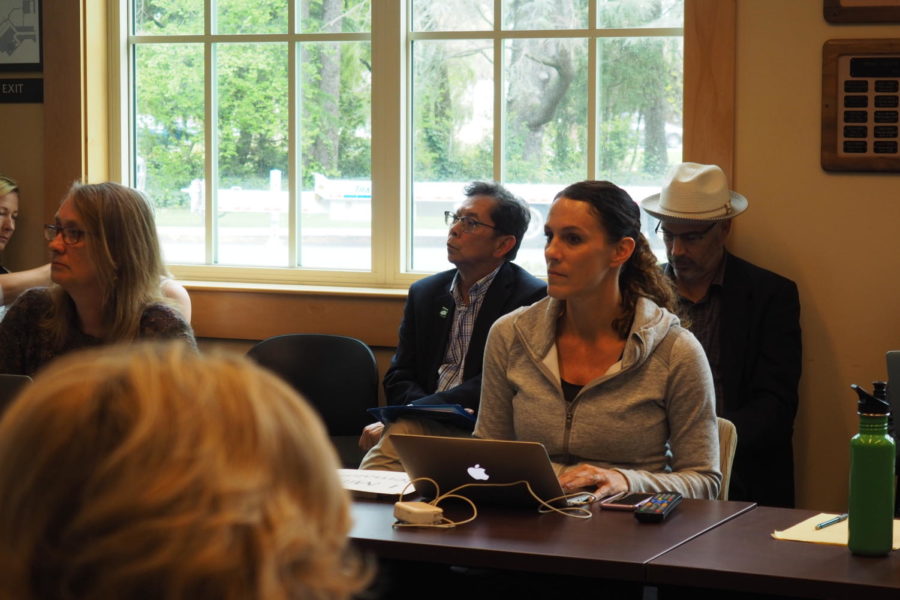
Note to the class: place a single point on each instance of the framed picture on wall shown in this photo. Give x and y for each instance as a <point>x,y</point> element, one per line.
<point>20,35</point>
<point>862,11</point>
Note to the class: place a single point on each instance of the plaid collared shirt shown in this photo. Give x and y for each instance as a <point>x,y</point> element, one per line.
<point>451,369</point>
<point>705,316</point>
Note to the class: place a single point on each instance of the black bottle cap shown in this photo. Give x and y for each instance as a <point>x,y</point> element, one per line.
<point>872,404</point>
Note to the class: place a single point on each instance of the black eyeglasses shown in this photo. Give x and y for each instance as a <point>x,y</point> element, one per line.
<point>469,225</point>
<point>689,237</point>
<point>70,235</point>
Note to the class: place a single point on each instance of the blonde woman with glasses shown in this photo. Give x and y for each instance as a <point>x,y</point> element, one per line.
<point>13,284</point>
<point>106,269</point>
<point>150,471</point>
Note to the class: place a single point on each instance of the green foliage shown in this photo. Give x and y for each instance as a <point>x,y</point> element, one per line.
<point>168,17</point>
<point>319,15</point>
<point>546,133</point>
<point>251,125</point>
<point>545,95</point>
<point>640,13</point>
<point>640,92</point>
<point>260,16</point>
<point>253,115</point>
<point>444,77</point>
<point>336,130</point>
<point>169,128</point>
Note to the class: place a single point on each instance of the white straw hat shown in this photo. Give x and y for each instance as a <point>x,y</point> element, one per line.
<point>695,192</point>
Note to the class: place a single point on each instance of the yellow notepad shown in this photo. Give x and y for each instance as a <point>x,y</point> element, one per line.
<point>836,534</point>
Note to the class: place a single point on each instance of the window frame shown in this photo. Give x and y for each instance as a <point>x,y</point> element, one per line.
<point>391,230</point>
<point>121,170</point>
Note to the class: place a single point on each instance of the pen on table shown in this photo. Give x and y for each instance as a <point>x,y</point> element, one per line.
<point>831,521</point>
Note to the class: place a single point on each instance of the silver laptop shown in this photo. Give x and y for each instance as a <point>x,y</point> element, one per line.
<point>454,461</point>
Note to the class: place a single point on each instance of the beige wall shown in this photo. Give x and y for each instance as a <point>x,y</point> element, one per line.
<point>803,222</point>
<point>836,235</point>
<point>22,158</point>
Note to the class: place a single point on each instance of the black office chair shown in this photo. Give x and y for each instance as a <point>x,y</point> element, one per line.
<point>336,374</point>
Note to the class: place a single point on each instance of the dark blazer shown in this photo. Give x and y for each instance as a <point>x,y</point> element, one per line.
<point>424,332</point>
<point>761,358</point>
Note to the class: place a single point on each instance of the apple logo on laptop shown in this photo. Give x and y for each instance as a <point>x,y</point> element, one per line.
<point>478,472</point>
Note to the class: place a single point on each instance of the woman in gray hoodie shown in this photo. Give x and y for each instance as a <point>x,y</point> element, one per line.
<point>601,371</point>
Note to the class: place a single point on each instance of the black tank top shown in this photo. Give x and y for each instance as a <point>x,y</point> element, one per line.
<point>570,390</point>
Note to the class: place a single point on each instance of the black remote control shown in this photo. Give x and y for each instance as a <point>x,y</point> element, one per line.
<point>658,507</point>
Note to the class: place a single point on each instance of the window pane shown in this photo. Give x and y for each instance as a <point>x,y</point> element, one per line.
<point>545,14</point>
<point>545,143</point>
<point>546,110</point>
<point>168,17</point>
<point>639,121</point>
<point>335,16</point>
<point>452,15</point>
<point>538,196</point>
<point>252,201</point>
<point>640,13</point>
<point>335,137</point>
<point>256,16</point>
<point>169,154</point>
<point>639,107</point>
<point>453,105</point>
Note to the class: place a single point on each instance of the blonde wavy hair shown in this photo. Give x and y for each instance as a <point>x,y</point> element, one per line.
<point>149,471</point>
<point>125,250</point>
<point>8,185</point>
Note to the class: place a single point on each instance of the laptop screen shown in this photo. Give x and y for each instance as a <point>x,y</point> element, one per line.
<point>486,468</point>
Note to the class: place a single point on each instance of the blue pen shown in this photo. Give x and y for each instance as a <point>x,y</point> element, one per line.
<point>832,521</point>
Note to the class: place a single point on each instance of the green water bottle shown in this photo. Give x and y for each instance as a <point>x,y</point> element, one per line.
<point>872,454</point>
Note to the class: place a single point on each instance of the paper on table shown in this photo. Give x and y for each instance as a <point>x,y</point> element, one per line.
<point>836,534</point>
<point>375,482</point>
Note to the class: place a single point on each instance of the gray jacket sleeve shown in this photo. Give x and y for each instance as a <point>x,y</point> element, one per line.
<point>693,431</point>
<point>495,417</point>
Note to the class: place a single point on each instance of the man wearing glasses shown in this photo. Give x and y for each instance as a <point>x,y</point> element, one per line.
<point>746,318</point>
<point>448,315</point>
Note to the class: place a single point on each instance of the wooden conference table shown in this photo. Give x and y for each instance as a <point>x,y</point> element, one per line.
<point>704,543</point>
<point>740,554</point>
<point>612,544</point>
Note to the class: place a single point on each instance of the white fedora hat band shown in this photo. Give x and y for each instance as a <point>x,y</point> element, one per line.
<point>723,210</point>
<point>696,192</point>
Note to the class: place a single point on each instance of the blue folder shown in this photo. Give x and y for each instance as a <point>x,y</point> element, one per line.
<point>453,414</point>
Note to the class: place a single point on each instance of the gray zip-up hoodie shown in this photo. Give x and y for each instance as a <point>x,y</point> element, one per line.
<point>651,416</point>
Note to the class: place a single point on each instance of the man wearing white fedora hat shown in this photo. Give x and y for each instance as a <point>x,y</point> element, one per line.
<point>746,318</point>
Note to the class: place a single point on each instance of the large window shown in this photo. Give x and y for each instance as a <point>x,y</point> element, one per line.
<point>538,94</point>
<point>251,123</point>
<point>241,109</point>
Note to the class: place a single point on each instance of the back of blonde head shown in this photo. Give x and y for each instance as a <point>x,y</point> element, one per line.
<point>154,472</point>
